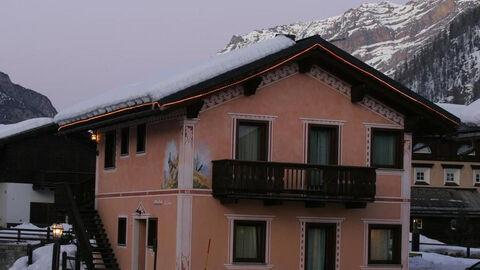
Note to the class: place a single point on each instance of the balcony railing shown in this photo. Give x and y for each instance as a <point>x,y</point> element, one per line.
<point>237,179</point>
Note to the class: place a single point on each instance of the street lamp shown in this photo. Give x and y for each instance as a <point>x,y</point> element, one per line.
<point>57,230</point>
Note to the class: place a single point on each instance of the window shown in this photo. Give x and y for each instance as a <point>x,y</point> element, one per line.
<point>387,149</point>
<point>141,138</point>
<point>452,176</point>
<point>320,246</point>
<point>421,148</point>
<point>322,145</point>
<point>476,177</point>
<point>110,144</point>
<point>252,140</point>
<point>152,232</point>
<point>125,141</point>
<point>249,241</point>
<point>421,175</point>
<point>122,231</point>
<point>466,150</point>
<point>384,244</point>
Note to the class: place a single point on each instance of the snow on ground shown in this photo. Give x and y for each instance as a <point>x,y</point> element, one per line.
<point>446,250</point>
<point>42,258</point>
<point>12,129</point>
<point>433,261</point>
<point>165,84</point>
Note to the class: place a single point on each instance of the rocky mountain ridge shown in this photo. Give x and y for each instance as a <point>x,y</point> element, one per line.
<point>18,103</point>
<point>384,35</point>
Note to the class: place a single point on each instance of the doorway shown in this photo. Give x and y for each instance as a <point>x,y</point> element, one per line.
<point>139,244</point>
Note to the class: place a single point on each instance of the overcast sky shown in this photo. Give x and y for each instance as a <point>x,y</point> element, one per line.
<point>71,50</point>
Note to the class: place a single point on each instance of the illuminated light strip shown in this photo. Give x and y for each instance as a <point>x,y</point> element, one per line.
<point>257,74</point>
<point>298,54</point>
<point>240,81</point>
<point>107,114</point>
<point>387,84</point>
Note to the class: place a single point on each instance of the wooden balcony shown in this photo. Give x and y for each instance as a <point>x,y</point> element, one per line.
<point>275,182</point>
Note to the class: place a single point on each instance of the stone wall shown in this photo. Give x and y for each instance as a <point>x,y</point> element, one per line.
<point>9,253</point>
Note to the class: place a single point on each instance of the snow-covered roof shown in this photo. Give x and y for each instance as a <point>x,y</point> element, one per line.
<point>20,127</point>
<point>160,86</point>
<point>468,114</point>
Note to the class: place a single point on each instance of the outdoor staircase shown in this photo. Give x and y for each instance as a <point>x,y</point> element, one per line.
<point>92,241</point>
<point>102,252</point>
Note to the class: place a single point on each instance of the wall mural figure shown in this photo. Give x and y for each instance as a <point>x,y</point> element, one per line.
<point>201,167</point>
<point>170,165</point>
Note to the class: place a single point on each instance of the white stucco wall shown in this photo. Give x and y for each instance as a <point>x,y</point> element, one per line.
<point>15,201</point>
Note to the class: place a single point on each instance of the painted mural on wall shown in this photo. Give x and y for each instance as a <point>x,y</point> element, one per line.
<point>170,165</point>
<point>201,167</point>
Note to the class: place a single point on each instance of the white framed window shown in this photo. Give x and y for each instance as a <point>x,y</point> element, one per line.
<point>476,177</point>
<point>320,239</point>
<point>249,241</point>
<point>421,174</point>
<point>382,242</point>
<point>452,176</point>
<point>252,136</point>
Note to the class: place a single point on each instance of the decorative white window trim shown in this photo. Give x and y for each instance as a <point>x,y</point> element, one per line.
<point>382,110</point>
<point>426,174</point>
<point>325,220</point>
<point>330,80</point>
<point>476,172</point>
<point>374,221</point>
<point>456,175</point>
<point>255,117</point>
<point>325,122</point>
<point>231,220</point>
<point>368,137</point>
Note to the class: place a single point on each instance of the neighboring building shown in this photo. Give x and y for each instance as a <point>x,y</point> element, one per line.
<point>281,155</point>
<point>21,203</point>
<point>446,178</point>
<point>33,159</point>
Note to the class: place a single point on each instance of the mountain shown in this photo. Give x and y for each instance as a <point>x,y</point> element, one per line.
<point>384,35</point>
<point>448,70</point>
<point>18,103</point>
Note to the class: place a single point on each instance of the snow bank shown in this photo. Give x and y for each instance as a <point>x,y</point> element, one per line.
<point>439,262</point>
<point>468,114</point>
<point>12,129</point>
<point>42,258</point>
<point>163,85</point>
<point>444,249</point>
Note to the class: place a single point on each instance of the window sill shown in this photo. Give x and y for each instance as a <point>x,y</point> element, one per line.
<point>421,183</point>
<point>110,169</point>
<point>381,266</point>
<point>141,153</point>
<point>451,184</point>
<point>251,266</point>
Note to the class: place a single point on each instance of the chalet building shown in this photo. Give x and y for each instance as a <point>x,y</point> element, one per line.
<point>446,180</point>
<point>281,155</point>
<point>33,161</point>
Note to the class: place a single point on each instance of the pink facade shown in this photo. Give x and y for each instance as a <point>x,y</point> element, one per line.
<point>171,180</point>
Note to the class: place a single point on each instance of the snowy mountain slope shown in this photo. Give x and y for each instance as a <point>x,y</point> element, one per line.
<point>18,103</point>
<point>448,70</point>
<point>382,35</point>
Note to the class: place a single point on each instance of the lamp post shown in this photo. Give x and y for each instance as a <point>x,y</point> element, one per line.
<point>57,230</point>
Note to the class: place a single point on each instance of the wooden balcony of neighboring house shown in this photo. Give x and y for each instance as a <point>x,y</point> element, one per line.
<point>275,182</point>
